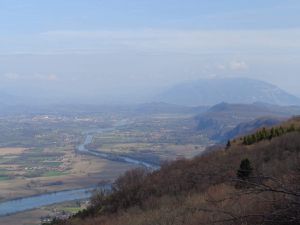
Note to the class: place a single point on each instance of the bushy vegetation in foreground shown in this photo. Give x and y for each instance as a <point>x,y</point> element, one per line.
<point>257,184</point>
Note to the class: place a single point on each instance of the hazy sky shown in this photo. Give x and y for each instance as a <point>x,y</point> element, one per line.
<point>128,49</point>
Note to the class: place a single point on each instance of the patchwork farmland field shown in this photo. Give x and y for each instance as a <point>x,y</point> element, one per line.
<point>38,153</point>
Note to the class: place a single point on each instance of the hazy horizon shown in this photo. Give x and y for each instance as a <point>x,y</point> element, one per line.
<point>129,50</point>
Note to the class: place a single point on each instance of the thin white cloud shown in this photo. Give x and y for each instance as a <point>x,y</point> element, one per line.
<point>46,77</point>
<point>182,39</point>
<point>238,65</point>
<point>11,76</point>
<point>154,41</point>
<point>234,65</point>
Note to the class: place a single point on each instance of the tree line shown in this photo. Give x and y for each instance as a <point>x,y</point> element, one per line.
<point>268,134</point>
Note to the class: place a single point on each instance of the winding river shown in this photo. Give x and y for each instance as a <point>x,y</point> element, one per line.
<point>33,202</point>
<point>109,156</point>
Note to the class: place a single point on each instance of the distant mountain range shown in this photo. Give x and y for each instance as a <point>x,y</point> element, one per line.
<point>225,121</point>
<point>205,92</point>
<point>231,90</point>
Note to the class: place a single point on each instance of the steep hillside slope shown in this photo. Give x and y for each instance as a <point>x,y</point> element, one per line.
<point>231,90</point>
<point>250,127</point>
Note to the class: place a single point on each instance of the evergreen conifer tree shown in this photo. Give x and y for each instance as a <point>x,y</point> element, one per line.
<point>245,169</point>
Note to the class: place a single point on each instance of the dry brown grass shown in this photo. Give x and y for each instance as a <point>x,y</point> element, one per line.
<point>11,151</point>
